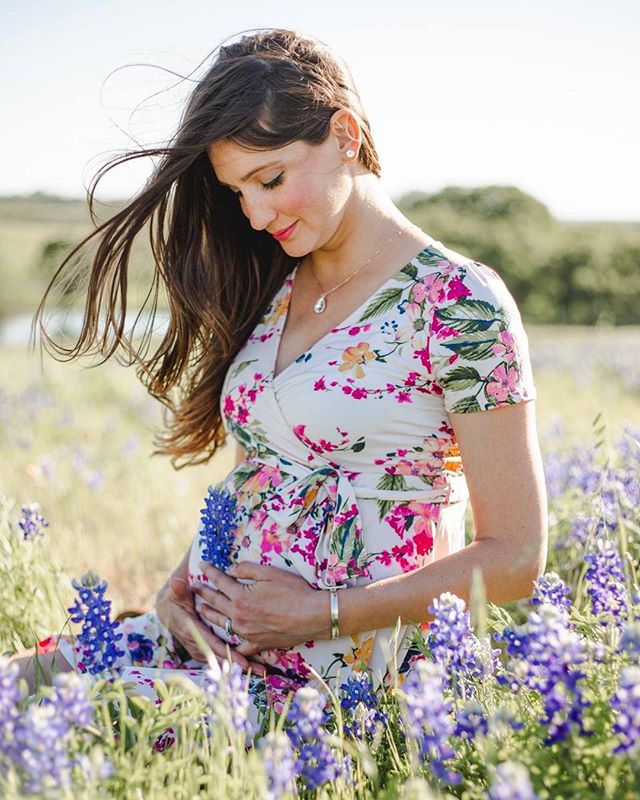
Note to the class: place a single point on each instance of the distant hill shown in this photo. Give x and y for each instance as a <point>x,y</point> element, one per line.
<point>559,272</point>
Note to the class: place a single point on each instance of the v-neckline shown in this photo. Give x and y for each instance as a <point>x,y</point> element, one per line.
<point>288,288</point>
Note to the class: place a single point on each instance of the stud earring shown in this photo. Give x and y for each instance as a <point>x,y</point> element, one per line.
<point>350,153</point>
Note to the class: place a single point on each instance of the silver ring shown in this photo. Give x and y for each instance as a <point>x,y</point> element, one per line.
<point>227,628</point>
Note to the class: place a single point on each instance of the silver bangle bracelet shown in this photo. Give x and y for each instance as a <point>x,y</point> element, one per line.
<point>335,627</point>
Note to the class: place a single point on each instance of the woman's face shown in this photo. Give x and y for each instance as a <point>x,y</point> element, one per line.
<point>304,184</point>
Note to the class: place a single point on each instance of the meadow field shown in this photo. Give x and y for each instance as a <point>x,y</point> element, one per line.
<point>555,715</point>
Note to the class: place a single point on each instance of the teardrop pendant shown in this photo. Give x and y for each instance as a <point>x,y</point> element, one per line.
<point>320,305</point>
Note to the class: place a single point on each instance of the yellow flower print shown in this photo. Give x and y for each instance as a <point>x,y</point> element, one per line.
<point>452,460</point>
<point>279,310</point>
<point>355,357</point>
<point>360,654</point>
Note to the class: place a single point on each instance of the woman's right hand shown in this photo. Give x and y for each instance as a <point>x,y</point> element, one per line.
<point>176,610</point>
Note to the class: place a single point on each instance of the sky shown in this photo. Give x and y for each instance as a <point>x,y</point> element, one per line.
<point>539,95</point>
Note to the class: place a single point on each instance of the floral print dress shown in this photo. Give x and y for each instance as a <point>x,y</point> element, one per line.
<point>353,472</point>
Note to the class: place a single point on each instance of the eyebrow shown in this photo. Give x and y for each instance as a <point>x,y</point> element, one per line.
<point>253,172</point>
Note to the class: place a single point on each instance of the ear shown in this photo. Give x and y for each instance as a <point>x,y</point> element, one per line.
<point>344,125</point>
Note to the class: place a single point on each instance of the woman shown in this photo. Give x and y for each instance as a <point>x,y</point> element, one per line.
<point>350,356</point>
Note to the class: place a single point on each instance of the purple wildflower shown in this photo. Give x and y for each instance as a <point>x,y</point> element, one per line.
<point>227,693</point>
<point>511,782</point>
<point>427,717</point>
<point>32,522</point>
<point>546,657</point>
<point>10,696</point>
<point>71,699</point>
<point>626,704</point>
<point>99,634</point>
<point>455,645</point>
<point>359,706</point>
<point>218,526</point>
<point>630,640</point>
<point>471,721</point>
<point>43,732</point>
<point>316,763</point>
<point>279,763</point>
<point>550,588</point>
<point>606,582</point>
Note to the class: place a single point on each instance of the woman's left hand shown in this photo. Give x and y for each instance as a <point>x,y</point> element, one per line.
<point>279,610</point>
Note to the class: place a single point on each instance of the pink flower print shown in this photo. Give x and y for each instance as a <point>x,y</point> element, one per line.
<point>423,542</point>
<point>456,289</point>
<point>442,331</point>
<point>397,519</point>
<point>336,572</point>
<point>242,415</point>
<point>359,394</point>
<point>418,292</point>
<point>263,479</point>
<point>423,355</point>
<point>435,289</point>
<point>319,385</point>
<point>403,397</point>
<point>503,383</point>
<point>273,539</point>
<point>504,347</point>
<point>229,405</point>
<point>291,660</point>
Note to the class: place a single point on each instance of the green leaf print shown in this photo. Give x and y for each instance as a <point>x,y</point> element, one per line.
<point>461,378</point>
<point>382,302</point>
<point>407,273</point>
<point>242,365</point>
<point>473,348</point>
<point>465,405</point>
<point>430,257</point>
<point>392,482</point>
<point>469,316</point>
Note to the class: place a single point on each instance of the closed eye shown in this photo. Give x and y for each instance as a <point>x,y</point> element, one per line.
<point>271,185</point>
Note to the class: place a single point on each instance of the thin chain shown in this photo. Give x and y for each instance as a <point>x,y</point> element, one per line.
<point>358,271</point>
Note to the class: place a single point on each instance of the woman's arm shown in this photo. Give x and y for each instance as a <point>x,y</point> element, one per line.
<point>504,472</point>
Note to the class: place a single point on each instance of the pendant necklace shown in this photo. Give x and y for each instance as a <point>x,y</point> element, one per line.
<point>321,303</point>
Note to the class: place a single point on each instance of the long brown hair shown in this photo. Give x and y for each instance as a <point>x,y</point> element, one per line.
<point>265,91</point>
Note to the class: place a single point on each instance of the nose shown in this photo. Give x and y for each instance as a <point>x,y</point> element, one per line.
<point>259,212</point>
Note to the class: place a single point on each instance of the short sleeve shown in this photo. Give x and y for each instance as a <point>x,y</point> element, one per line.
<point>478,348</point>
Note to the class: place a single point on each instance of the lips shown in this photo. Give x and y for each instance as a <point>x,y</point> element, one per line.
<point>285,232</point>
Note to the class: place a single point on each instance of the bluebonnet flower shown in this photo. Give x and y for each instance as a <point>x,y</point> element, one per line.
<point>279,762</point>
<point>455,645</point>
<point>471,721</point>
<point>546,657</point>
<point>316,764</point>
<point>71,699</point>
<point>227,693</point>
<point>511,782</point>
<point>99,635</point>
<point>43,732</point>
<point>626,705</point>
<point>427,717</point>
<point>630,640</point>
<point>550,588</point>
<point>10,696</point>
<point>41,751</point>
<point>307,715</point>
<point>32,522</point>
<point>606,582</point>
<point>359,705</point>
<point>218,526</point>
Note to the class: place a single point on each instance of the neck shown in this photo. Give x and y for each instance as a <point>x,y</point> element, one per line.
<point>369,221</point>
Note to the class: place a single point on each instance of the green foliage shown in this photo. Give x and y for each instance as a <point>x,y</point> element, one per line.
<point>557,272</point>
<point>31,605</point>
